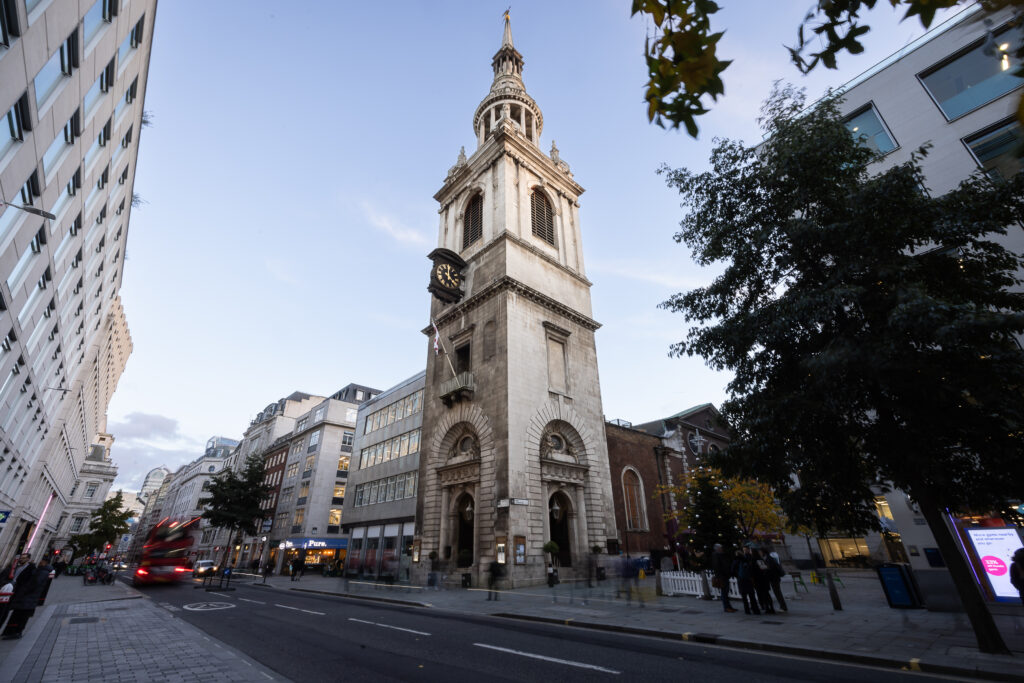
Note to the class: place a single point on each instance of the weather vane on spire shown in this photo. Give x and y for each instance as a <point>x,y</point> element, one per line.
<point>507,10</point>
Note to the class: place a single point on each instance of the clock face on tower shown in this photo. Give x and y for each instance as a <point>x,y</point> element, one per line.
<point>447,275</point>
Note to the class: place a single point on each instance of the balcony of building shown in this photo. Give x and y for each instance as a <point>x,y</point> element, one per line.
<point>458,388</point>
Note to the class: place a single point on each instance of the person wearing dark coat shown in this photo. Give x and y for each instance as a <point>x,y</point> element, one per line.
<point>1017,572</point>
<point>23,604</point>
<point>744,572</point>
<point>721,567</point>
<point>762,582</point>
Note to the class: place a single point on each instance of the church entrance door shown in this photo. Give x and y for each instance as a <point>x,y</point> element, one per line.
<point>558,513</point>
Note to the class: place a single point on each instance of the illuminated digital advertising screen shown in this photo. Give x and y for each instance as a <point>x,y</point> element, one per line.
<point>995,549</point>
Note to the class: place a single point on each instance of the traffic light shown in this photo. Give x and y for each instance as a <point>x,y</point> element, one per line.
<point>106,547</point>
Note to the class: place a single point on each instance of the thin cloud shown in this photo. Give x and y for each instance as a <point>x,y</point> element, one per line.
<point>668,278</point>
<point>392,226</point>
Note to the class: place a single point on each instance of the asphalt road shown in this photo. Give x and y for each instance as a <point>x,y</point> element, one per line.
<point>310,637</point>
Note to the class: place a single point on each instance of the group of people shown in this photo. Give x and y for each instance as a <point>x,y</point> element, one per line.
<point>30,582</point>
<point>758,574</point>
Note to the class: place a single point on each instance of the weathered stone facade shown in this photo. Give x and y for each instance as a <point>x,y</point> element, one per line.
<point>516,456</point>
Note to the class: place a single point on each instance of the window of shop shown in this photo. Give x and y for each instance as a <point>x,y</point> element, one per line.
<point>845,552</point>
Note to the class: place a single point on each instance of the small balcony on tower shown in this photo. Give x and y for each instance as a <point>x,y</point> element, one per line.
<point>458,388</point>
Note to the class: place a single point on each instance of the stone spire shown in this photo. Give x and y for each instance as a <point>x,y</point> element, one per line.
<point>507,98</point>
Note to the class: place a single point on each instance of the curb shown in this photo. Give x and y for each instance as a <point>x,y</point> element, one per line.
<point>913,664</point>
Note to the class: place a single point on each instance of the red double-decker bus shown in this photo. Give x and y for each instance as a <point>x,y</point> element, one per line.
<point>165,555</point>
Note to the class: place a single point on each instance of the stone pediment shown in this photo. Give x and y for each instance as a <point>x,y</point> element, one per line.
<point>460,473</point>
<point>552,470</point>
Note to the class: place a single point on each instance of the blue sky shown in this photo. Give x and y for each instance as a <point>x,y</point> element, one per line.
<point>288,180</point>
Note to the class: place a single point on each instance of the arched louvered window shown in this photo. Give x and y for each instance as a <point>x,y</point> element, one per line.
<point>633,499</point>
<point>542,217</point>
<point>473,226</point>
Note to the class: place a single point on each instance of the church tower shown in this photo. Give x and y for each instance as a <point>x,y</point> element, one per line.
<point>514,452</point>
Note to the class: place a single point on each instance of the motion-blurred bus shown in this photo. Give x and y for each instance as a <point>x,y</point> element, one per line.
<point>165,555</point>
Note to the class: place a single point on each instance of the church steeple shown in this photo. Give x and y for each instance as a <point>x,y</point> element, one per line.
<point>508,89</point>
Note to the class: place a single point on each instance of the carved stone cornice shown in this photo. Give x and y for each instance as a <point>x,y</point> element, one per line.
<point>461,473</point>
<point>551,470</point>
<point>509,284</point>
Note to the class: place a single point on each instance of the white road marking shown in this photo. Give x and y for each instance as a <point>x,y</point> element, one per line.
<point>206,606</point>
<point>258,602</point>
<point>531,655</point>
<point>169,607</point>
<point>267,675</point>
<point>298,609</point>
<point>397,628</point>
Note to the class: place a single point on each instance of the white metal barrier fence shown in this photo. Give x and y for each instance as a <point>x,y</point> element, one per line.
<point>689,583</point>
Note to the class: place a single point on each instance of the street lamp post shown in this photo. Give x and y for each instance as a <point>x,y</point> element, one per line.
<point>32,210</point>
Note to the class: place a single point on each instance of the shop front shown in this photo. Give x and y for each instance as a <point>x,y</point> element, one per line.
<point>318,554</point>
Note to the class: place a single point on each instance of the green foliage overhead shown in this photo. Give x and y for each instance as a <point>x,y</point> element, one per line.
<point>235,498</point>
<point>684,68</point>
<point>872,328</point>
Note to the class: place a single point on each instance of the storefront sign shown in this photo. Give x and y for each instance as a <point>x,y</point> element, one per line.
<point>315,543</point>
<point>995,548</point>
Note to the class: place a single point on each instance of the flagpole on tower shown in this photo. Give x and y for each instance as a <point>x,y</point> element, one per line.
<point>439,343</point>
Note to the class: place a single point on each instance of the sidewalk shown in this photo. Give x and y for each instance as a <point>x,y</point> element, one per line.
<point>866,631</point>
<point>111,633</point>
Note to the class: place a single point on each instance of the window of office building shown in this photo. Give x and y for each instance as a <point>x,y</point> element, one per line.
<point>319,414</point>
<point>314,439</point>
<point>99,15</point>
<point>131,41</point>
<point>8,23</point>
<point>60,65</point>
<point>310,461</point>
<point>16,119</point>
<point>976,76</point>
<point>293,469</point>
<point>76,524</point>
<point>61,144</point>
<point>99,88</point>
<point>995,149</point>
<point>347,438</point>
<point>90,489</point>
<point>343,463</point>
<point>867,127</point>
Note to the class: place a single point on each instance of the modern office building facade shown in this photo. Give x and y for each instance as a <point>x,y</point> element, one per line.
<point>72,85</point>
<point>380,508</point>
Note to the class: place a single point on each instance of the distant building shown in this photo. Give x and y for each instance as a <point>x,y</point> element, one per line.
<point>380,508</point>
<point>154,478</point>
<point>96,473</point>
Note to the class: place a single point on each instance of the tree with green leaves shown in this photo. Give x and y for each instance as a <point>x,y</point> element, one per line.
<point>703,516</point>
<point>684,67</point>
<point>106,525</point>
<point>871,329</point>
<point>235,502</point>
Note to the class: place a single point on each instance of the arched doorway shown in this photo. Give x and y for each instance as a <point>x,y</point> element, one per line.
<point>558,520</point>
<point>464,540</point>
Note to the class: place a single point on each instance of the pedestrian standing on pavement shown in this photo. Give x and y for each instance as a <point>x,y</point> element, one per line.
<point>775,575</point>
<point>551,575</point>
<point>1017,572</point>
<point>296,568</point>
<point>762,582</point>
<point>721,569</point>
<point>24,602</point>
<point>494,572</point>
<point>745,580</point>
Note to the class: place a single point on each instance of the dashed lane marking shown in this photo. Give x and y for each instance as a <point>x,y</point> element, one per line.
<point>258,602</point>
<point>298,609</point>
<point>531,655</point>
<point>396,628</point>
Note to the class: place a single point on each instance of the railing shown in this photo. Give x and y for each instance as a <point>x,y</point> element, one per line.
<point>689,583</point>
<point>458,387</point>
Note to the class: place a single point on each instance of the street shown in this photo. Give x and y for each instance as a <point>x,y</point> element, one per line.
<point>314,637</point>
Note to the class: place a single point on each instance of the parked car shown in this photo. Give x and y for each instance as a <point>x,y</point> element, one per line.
<point>203,567</point>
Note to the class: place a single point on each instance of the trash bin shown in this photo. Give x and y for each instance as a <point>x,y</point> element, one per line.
<point>601,574</point>
<point>467,580</point>
<point>899,586</point>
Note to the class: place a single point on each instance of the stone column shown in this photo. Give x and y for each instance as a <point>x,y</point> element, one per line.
<point>443,531</point>
<point>581,507</point>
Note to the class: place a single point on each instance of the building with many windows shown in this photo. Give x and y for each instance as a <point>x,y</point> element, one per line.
<point>313,480</point>
<point>72,86</point>
<point>380,510</point>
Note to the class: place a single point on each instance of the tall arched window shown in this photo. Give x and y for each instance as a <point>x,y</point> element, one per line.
<point>633,500</point>
<point>542,217</point>
<point>473,226</point>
